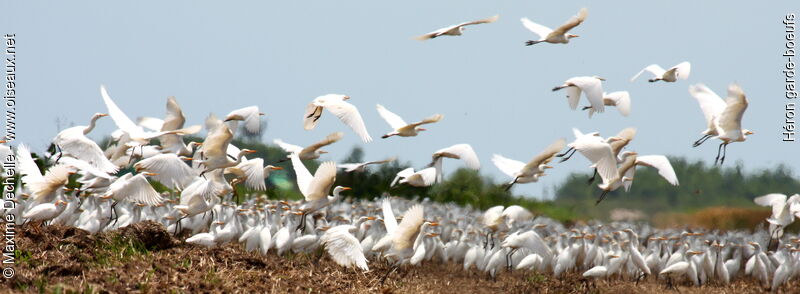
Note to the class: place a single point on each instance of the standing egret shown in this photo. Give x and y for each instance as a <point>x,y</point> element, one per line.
<point>559,35</point>
<point>680,71</point>
<point>336,104</point>
<point>401,127</point>
<point>455,30</point>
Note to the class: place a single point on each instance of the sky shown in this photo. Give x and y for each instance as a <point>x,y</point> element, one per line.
<point>494,91</point>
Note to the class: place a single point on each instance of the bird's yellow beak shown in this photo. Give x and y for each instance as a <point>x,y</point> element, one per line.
<point>346,188</point>
<point>276,168</point>
<point>150,174</point>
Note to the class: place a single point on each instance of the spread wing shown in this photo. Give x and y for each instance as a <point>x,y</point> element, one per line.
<point>350,116</point>
<point>547,154</point>
<point>710,103</point>
<point>151,123</point>
<point>536,28</point>
<point>302,175</point>
<point>508,166</point>
<point>593,89</point>
<point>572,22</point>
<point>682,70</point>
<point>654,69</point>
<point>174,119</point>
<point>573,96</point>
<point>736,104</point>
<point>660,163</point>
<point>408,227</point>
<point>27,167</point>
<point>401,175</point>
<point>460,151</point>
<point>344,248</point>
<point>394,120</point>
<point>322,182</point>
<point>330,139</point>
<point>170,170</point>
<point>254,171</point>
<point>620,99</point>
<point>287,147</point>
<point>431,119</point>
<point>139,190</point>
<point>389,221</point>
<point>480,21</point>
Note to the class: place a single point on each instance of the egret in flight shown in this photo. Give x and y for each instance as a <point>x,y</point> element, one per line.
<point>455,30</point>
<point>557,36</point>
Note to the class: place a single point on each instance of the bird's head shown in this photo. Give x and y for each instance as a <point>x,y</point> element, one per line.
<point>572,36</point>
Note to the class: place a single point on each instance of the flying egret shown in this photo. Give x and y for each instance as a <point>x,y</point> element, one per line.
<point>313,151</point>
<point>593,88</point>
<point>336,104</point>
<point>559,35</point>
<point>174,120</point>
<point>361,167</point>
<point>73,141</point>
<point>422,178</point>
<point>531,171</point>
<point>723,119</point>
<point>315,188</point>
<point>401,127</point>
<point>251,117</point>
<point>458,151</point>
<point>620,99</point>
<point>455,30</point>
<point>680,71</point>
<point>784,210</point>
<point>44,188</point>
<point>343,247</point>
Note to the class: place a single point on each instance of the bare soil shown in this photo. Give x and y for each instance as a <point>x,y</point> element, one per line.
<point>144,258</point>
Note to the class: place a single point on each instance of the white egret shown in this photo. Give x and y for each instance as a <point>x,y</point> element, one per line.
<point>343,247</point>
<point>251,117</point>
<point>531,171</point>
<point>315,188</point>
<point>361,167</point>
<point>591,85</point>
<point>336,104</point>
<point>422,178</point>
<point>680,71</point>
<point>401,127</point>
<point>44,188</point>
<point>458,151</point>
<point>45,211</point>
<point>559,35</point>
<point>73,142</point>
<point>312,151</point>
<point>784,210</point>
<point>455,30</point>
<point>723,118</point>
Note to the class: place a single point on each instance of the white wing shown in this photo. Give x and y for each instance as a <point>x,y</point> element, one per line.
<point>710,103</point>
<point>252,118</point>
<point>536,28</point>
<point>389,221</point>
<point>620,99</point>
<point>460,151</point>
<point>254,171</point>
<point>736,104</point>
<point>72,142</point>
<point>120,119</point>
<point>402,174</point>
<point>654,69</point>
<point>508,166</point>
<point>408,227</point>
<point>350,167</point>
<point>573,97</point>
<point>287,147</point>
<point>84,167</point>
<point>394,120</point>
<point>27,167</point>
<point>599,153</point>
<point>350,116</point>
<point>682,70</point>
<point>661,163</point>
<point>427,175</point>
<point>322,182</point>
<point>301,173</point>
<point>170,170</point>
<point>344,248</point>
<point>594,91</point>
<point>773,199</point>
<point>151,123</point>
<point>139,190</point>
<point>572,22</point>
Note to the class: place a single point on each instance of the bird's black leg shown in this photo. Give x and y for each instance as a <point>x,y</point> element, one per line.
<point>178,225</point>
<point>508,187</point>
<point>565,152</point>
<point>394,268</point>
<point>701,140</point>
<point>602,196</point>
<point>724,152</point>
<point>593,176</point>
<point>60,152</point>
<point>719,151</point>
<point>568,156</point>
<point>113,211</point>
<point>302,226</point>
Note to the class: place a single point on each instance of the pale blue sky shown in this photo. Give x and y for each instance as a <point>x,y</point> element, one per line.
<point>494,92</point>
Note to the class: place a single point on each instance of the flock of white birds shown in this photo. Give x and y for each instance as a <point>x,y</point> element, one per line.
<point>355,233</point>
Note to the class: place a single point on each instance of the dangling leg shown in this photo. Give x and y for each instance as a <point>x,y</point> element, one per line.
<point>701,140</point>
<point>565,152</point>
<point>593,176</point>
<point>602,196</point>
<point>512,183</point>
<point>724,152</point>
<point>60,152</point>
<point>719,151</point>
<point>568,156</point>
